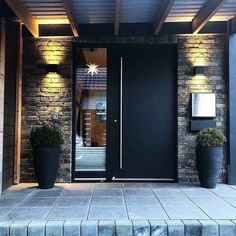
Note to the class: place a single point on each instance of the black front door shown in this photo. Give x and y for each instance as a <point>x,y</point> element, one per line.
<point>141,113</point>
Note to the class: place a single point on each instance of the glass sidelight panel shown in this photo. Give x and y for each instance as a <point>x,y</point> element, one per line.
<point>91,108</point>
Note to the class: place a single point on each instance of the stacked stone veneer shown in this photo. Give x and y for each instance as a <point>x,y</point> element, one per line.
<point>43,95</point>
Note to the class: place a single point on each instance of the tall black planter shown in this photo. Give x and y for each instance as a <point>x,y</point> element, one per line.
<point>209,160</point>
<point>46,162</point>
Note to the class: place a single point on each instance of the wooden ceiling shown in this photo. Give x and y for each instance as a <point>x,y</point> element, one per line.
<point>76,12</point>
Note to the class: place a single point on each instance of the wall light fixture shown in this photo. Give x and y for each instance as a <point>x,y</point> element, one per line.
<point>199,70</point>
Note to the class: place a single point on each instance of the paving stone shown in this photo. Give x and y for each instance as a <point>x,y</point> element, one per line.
<point>48,193</point>
<point>10,202</point>
<point>209,227</point>
<point>124,227</point>
<point>37,228</point>
<point>19,228</point>
<point>106,228</point>
<point>72,228</point>
<point>89,228</point>
<point>73,202</point>
<point>38,202</point>
<point>141,228</point>
<point>226,227</point>
<point>192,228</point>
<point>68,213</point>
<point>5,228</point>
<point>54,228</point>
<point>108,192</point>
<point>107,213</point>
<point>25,213</point>
<point>175,228</point>
<point>113,201</point>
<point>158,227</point>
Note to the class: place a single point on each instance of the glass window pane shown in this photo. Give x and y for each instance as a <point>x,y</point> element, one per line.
<point>91,97</point>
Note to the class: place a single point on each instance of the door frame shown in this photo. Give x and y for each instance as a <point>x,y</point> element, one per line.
<point>110,149</point>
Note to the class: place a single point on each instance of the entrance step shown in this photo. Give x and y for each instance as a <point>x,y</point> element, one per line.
<point>118,228</point>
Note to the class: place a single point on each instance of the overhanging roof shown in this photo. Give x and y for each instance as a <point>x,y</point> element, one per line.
<point>116,12</point>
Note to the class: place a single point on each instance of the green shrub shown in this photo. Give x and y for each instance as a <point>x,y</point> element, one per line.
<point>45,136</point>
<point>211,137</point>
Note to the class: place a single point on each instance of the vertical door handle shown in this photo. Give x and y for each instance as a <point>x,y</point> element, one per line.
<point>121,112</point>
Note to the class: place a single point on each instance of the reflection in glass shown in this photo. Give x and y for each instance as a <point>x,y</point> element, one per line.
<point>91,77</point>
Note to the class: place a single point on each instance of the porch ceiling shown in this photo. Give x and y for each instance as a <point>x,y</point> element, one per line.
<point>81,12</point>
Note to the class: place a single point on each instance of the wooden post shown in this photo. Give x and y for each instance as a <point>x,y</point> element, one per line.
<point>2,85</point>
<point>18,108</point>
<point>232,110</point>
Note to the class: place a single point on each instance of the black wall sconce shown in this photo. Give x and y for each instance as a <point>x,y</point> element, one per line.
<point>51,68</point>
<point>199,70</point>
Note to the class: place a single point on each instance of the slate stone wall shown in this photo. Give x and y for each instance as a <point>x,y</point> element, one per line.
<point>43,94</point>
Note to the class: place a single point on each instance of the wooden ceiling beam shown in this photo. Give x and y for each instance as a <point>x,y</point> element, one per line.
<point>117,17</point>
<point>205,14</point>
<point>24,15</point>
<point>71,17</point>
<point>162,14</point>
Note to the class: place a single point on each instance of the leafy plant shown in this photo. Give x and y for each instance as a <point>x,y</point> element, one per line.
<point>45,136</point>
<point>211,137</point>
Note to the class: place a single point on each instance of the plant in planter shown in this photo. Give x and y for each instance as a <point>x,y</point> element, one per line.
<point>46,142</point>
<point>209,154</point>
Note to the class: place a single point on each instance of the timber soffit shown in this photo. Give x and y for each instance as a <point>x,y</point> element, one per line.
<point>116,12</point>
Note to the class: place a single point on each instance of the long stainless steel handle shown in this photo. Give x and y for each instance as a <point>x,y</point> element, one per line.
<point>121,112</point>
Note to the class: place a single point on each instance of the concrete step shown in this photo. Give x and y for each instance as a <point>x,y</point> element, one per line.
<point>118,228</point>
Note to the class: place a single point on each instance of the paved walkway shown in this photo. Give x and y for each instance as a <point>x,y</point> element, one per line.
<point>118,201</point>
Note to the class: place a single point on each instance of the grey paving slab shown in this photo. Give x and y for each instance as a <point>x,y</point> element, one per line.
<point>37,228</point>
<point>77,193</point>
<point>73,202</point>
<point>5,228</point>
<point>146,212</point>
<point>10,202</point>
<point>158,228</point>
<point>115,201</point>
<point>89,228</point>
<point>106,228</point>
<point>124,227</point>
<point>19,228</point>
<point>38,202</point>
<point>183,212</point>
<point>107,213</point>
<point>231,200</point>
<point>175,228</point>
<point>108,185</point>
<point>141,228</point>
<point>4,211</point>
<point>141,200</point>
<point>16,193</point>
<point>54,228</point>
<point>108,192</point>
<point>224,190</point>
<point>78,186</point>
<point>47,193</point>
<point>226,227</point>
<point>72,228</point>
<point>209,227</point>
<point>192,227</point>
<point>68,213</point>
<point>137,192</point>
<point>24,213</point>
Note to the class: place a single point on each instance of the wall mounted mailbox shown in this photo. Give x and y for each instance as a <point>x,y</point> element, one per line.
<point>203,105</point>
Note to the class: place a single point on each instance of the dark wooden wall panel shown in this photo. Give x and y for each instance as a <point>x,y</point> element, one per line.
<point>10,103</point>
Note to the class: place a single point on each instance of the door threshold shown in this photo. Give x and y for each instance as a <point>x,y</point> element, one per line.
<point>142,179</point>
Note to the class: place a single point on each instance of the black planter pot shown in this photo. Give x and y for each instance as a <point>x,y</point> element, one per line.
<point>46,162</point>
<point>209,160</point>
